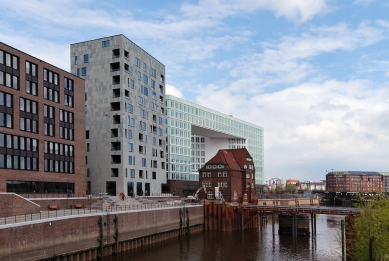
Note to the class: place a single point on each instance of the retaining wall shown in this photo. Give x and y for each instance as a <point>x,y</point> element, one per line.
<point>12,204</point>
<point>86,237</point>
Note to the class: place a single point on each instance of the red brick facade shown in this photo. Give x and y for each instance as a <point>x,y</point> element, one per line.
<point>232,172</point>
<point>354,182</point>
<point>78,178</point>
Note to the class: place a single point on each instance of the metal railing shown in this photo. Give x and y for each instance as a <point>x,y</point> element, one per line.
<point>83,211</point>
<point>53,195</point>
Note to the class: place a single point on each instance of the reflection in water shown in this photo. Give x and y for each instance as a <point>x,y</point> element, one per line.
<point>247,245</point>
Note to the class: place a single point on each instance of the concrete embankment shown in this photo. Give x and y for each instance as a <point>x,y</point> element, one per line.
<point>89,236</point>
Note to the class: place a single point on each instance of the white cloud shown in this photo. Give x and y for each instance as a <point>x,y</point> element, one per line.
<point>170,89</point>
<point>287,61</point>
<point>332,121</point>
<point>294,10</point>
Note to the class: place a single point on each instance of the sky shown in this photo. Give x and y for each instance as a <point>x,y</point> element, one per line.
<point>313,73</point>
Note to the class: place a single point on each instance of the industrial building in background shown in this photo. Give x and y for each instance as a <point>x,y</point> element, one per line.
<point>42,126</point>
<point>196,133</point>
<point>125,111</point>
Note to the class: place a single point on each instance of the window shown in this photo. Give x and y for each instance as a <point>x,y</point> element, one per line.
<point>131,160</point>
<point>132,84</point>
<point>68,84</point>
<point>139,76</point>
<point>144,90</point>
<point>132,173</point>
<point>83,71</point>
<point>130,108</point>
<point>153,72</point>
<point>31,88</point>
<point>31,68</point>
<point>145,79</point>
<point>86,58</point>
<point>50,76</point>
<point>56,163</point>
<point>75,60</point>
<point>106,43</point>
<point>144,67</point>
<point>143,162</point>
<point>137,62</point>
<point>129,134</point>
<point>152,84</point>
<point>68,100</point>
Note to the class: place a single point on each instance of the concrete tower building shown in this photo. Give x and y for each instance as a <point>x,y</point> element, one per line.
<point>125,115</point>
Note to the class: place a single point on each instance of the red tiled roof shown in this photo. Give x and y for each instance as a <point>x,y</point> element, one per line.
<point>234,159</point>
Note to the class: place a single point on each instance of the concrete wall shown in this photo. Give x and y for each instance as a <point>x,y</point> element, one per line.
<point>12,204</point>
<point>52,238</point>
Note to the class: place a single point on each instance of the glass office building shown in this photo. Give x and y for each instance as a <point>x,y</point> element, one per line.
<point>195,134</point>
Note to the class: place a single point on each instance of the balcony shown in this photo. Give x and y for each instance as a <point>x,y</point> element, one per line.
<point>115,53</point>
<point>115,159</point>
<point>115,146</point>
<point>115,67</point>
<point>114,133</point>
<point>115,106</point>
<point>114,172</point>
<point>115,93</point>
<point>116,119</point>
<point>116,79</point>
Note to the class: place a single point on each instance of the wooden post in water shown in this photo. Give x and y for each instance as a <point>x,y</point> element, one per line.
<point>342,236</point>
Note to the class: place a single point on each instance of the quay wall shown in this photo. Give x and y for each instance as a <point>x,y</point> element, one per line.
<point>89,236</point>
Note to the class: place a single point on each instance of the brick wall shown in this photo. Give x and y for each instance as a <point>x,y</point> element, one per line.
<point>46,238</point>
<point>12,204</point>
<point>79,176</point>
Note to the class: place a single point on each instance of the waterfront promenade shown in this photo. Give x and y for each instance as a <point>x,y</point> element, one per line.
<point>87,233</point>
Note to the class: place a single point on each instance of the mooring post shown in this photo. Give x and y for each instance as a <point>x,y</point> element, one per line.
<point>242,221</point>
<point>272,222</point>
<point>101,238</point>
<point>314,223</point>
<point>187,221</point>
<point>116,236</point>
<point>294,226</point>
<point>342,236</point>
<point>312,232</point>
<point>180,230</point>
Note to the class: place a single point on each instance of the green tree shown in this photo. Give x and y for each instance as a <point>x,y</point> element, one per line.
<point>371,223</point>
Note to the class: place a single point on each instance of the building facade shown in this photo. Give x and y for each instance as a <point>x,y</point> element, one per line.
<point>42,126</point>
<point>230,175</point>
<point>196,133</point>
<point>125,110</point>
<point>352,182</point>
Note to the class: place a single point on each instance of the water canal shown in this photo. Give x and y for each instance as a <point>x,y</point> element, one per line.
<point>247,245</point>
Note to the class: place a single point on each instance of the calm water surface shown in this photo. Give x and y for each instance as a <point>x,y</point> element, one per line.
<point>247,245</point>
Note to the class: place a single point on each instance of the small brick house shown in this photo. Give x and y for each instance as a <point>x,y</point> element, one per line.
<point>230,174</point>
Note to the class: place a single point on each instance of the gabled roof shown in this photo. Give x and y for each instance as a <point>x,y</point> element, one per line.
<point>234,159</point>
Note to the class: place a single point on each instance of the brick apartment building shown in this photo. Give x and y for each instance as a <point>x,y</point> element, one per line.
<point>230,172</point>
<point>42,126</point>
<point>355,182</point>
